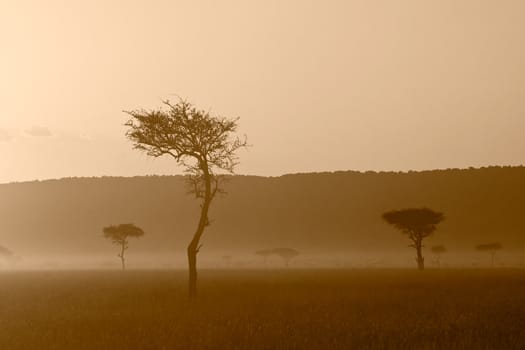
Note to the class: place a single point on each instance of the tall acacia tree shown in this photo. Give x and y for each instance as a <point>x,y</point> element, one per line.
<point>203,144</point>
<point>417,224</point>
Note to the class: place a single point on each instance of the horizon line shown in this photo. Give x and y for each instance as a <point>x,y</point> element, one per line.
<point>270,176</point>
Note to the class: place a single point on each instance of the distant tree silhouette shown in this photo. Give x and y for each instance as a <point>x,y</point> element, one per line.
<point>265,253</point>
<point>227,259</point>
<point>5,253</point>
<point>417,224</point>
<point>119,235</point>
<point>203,144</point>
<point>438,250</point>
<point>492,248</point>
<point>287,254</point>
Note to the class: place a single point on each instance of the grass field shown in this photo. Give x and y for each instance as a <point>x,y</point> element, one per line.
<point>295,309</point>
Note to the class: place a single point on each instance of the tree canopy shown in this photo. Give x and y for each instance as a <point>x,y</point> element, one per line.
<point>204,144</point>
<point>438,249</point>
<point>416,223</point>
<point>120,233</point>
<point>285,252</point>
<point>264,252</point>
<point>489,247</point>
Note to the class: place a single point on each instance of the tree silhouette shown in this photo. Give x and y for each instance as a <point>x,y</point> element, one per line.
<point>265,253</point>
<point>119,235</point>
<point>417,224</point>
<point>438,250</point>
<point>5,253</point>
<point>203,144</point>
<point>492,248</point>
<point>227,259</point>
<point>287,254</point>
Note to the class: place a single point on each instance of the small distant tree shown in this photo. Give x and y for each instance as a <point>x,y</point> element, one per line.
<point>438,250</point>
<point>265,253</point>
<point>227,260</point>
<point>119,235</point>
<point>5,253</point>
<point>287,254</point>
<point>492,248</point>
<point>205,145</point>
<point>417,224</point>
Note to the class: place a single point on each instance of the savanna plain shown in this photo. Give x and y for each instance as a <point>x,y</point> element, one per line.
<point>264,309</point>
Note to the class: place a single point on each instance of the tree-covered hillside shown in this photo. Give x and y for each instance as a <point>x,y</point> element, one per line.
<point>317,212</point>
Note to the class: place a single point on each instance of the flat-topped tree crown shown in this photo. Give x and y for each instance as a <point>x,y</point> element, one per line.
<point>420,222</point>
<point>439,249</point>
<point>489,247</point>
<point>122,232</point>
<point>264,252</point>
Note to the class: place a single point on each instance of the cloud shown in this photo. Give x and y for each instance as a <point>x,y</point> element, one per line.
<point>5,136</point>
<point>85,137</point>
<point>38,131</point>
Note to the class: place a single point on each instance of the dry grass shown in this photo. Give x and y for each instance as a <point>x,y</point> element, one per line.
<point>362,309</point>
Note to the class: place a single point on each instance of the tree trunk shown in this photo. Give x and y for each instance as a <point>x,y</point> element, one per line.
<point>194,246</point>
<point>192,264</point>
<point>122,259</point>
<point>420,260</point>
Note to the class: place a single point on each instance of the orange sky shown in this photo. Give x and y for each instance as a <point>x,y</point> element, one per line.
<point>319,85</point>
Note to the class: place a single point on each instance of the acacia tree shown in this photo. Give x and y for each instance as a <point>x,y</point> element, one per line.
<point>227,260</point>
<point>6,255</point>
<point>417,224</point>
<point>287,254</point>
<point>119,236</point>
<point>492,248</point>
<point>265,253</point>
<point>203,144</point>
<point>438,250</point>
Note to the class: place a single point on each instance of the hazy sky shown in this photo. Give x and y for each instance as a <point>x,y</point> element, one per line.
<point>319,85</point>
